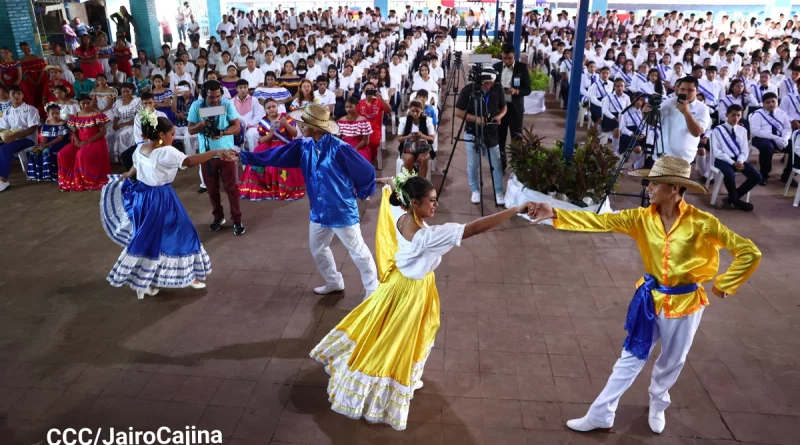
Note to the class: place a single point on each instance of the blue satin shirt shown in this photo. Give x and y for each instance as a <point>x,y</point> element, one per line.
<point>334,172</point>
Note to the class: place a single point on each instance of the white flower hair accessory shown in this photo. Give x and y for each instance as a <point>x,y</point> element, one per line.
<point>400,181</point>
<point>148,117</point>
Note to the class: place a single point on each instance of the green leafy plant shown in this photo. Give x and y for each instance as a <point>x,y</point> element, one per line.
<point>544,169</point>
<point>540,81</point>
<point>494,48</point>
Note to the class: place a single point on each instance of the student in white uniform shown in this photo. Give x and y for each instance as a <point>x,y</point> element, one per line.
<point>771,130</point>
<point>613,105</point>
<point>731,149</point>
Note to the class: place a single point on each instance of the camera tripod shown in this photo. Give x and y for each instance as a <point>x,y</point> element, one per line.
<point>650,120</point>
<point>457,73</point>
<point>476,107</point>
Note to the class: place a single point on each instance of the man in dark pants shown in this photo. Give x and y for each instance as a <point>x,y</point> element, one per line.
<point>731,152</point>
<point>127,156</point>
<point>516,82</point>
<point>771,131</point>
<point>217,170</point>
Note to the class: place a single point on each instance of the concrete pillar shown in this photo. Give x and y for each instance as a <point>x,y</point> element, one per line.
<point>384,5</point>
<point>602,6</point>
<point>147,32</point>
<point>214,10</point>
<point>18,25</point>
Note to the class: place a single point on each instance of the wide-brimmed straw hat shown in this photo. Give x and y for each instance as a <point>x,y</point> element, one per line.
<point>53,67</point>
<point>671,170</point>
<point>317,116</point>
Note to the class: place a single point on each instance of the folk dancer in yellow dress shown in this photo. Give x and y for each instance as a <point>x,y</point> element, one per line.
<point>376,355</point>
<point>680,248</point>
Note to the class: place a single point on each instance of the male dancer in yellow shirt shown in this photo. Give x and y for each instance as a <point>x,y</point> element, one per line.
<point>680,248</point>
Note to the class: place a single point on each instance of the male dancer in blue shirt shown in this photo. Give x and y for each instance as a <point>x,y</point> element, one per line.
<point>335,176</point>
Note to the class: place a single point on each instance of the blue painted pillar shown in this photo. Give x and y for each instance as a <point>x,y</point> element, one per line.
<point>214,10</point>
<point>18,25</point>
<point>496,19</point>
<point>602,6</point>
<point>776,7</point>
<point>575,80</point>
<point>517,28</point>
<point>384,5</point>
<point>147,32</point>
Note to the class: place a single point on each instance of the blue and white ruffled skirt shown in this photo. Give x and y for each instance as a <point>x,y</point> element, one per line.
<point>161,246</point>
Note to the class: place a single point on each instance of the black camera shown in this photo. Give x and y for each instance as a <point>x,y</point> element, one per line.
<point>370,92</point>
<point>475,71</point>
<point>457,55</point>
<point>211,130</point>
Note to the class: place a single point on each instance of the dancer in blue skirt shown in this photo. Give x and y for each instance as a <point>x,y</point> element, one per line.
<point>162,249</point>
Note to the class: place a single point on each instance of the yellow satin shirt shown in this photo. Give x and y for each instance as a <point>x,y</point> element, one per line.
<point>687,254</point>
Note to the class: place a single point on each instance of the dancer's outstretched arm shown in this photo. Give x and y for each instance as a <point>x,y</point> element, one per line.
<point>287,156</point>
<point>481,225</point>
<point>581,221</point>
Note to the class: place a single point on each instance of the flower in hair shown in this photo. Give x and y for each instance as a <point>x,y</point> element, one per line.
<point>399,182</point>
<point>52,104</point>
<point>148,117</point>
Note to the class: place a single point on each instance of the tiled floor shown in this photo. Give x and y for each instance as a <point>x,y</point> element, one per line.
<point>531,325</point>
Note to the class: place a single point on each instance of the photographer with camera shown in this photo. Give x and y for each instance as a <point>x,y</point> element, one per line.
<point>491,103</point>
<point>683,121</point>
<point>215,121</point>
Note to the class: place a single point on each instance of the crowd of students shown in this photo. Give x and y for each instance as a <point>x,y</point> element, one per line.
<point>360,68</point>
<point>745,74</point>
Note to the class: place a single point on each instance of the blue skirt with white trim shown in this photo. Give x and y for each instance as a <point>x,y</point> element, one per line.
<point>161,246</point>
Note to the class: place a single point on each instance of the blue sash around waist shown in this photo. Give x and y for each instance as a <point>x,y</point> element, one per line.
<point>641,317</point>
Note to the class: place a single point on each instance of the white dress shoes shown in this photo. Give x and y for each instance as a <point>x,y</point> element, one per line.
<point>584,424</point>
<point>657,421</point>
<point>328,289</point>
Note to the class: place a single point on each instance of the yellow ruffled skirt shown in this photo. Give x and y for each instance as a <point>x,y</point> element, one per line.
<point>376,355</point>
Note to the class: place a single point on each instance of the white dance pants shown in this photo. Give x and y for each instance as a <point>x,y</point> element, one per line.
<point>676,336</point>
<point>319,240</point>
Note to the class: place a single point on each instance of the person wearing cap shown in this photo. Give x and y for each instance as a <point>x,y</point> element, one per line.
<point>335,176</point>
<point>493,110</point>
<point>679,245</point>
<point>55,72</point>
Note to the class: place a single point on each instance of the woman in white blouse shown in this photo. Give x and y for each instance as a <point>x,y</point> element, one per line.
<point>125,109</point>
<point>425,81</point>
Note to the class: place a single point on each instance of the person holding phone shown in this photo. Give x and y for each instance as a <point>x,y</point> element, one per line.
<point>683,119</point>
<point>416,136</point>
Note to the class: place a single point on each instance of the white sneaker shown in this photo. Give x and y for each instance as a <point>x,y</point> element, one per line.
<point>418,385</point>
<point>328,289</point>
<point>197,285</point>
<point>4,185</point>
<point>657,421</point>
<point>501,199</point>
<point>584,424</point>
<point>476,197</point>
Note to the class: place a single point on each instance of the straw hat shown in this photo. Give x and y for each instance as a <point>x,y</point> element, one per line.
<point>317,116</point>
<point>671,170</point>
<point>54,67</point>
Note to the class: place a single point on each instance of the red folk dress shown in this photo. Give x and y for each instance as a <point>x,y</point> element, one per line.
<point>352,132</point>
<point>91,68</point>
<point>272,183</point>
<point>8,72</point>
<point>50,88</point>
<point>123,57</point>
<point>374,114</point>
<point>86,167</point>
<point>33,69</point>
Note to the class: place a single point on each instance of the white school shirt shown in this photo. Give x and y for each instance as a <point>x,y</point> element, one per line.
<point>791,106</point>
<point>615,104</point>
<point>253,78</point>
<point>21,118</point>
<point>633,118</point>
<point>678,141</point>
<point>725,148</point>
<point>758,93</point>
<point>328,98</point>
<point>599,91</point>
<point>174,79</point>
<point>274,67</point>
<point>760,126</point>
<point>710,90</point>
<point>786,86</point>
<point>137,128</point>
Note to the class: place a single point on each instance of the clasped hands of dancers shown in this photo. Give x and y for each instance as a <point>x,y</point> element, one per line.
<point>377,353</point>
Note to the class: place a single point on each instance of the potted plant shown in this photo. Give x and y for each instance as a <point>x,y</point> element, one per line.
<point>534,102</point>
<point>493,48</point>
<point>540,173</point>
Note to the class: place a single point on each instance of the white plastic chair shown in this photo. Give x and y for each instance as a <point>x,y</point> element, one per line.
<point>717,176</point>
<point>22,155</point>
<point>794,174</point>
<point>434,147</point>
